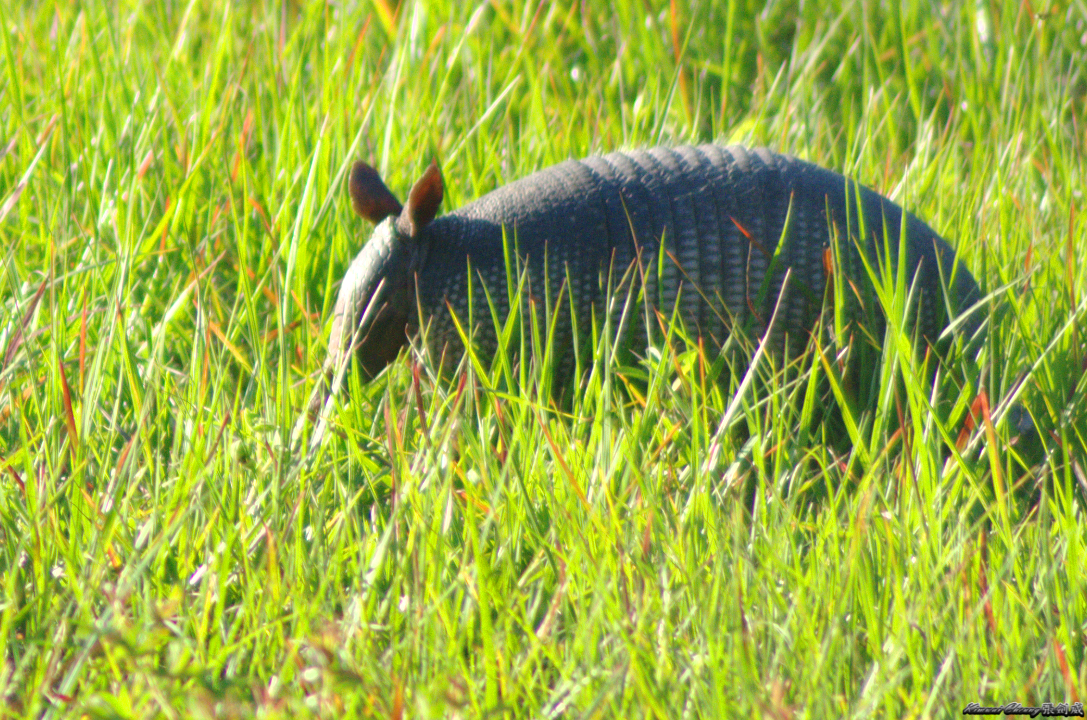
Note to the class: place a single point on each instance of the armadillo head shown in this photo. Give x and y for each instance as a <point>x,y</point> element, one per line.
<point>376,308</point>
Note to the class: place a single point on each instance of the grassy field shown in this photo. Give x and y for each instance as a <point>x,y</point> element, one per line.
<point>173,227</point>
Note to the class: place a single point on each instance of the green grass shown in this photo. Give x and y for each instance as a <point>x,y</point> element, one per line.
<point>173,226</point>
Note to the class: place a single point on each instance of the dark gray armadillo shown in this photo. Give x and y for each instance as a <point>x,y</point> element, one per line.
<point>732,222</point>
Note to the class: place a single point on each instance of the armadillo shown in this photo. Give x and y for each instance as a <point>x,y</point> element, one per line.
<point>728,236</point>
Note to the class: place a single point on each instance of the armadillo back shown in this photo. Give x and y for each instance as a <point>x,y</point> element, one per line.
<point>720,212</point>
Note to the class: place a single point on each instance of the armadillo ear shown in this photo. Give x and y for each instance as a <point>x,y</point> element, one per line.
<point>423,201</point>
<point>369,196</point>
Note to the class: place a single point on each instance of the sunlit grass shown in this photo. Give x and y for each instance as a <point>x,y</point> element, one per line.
<point>672,541</point>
